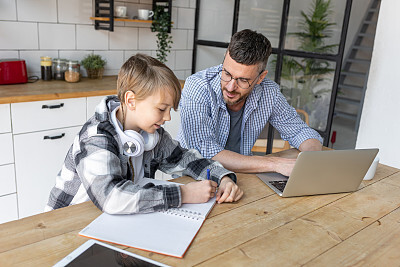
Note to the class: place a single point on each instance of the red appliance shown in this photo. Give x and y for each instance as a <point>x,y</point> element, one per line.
<point>13,70</point>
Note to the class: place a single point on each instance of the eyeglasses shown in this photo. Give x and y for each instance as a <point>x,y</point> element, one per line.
<point>241,82</point>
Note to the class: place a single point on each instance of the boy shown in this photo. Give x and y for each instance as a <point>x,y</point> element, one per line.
<point>124,142</point>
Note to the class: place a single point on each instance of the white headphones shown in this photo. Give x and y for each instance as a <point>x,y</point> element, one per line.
<point>134,143</point>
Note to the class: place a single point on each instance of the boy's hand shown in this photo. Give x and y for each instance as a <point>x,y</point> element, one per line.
<point>198,192</point>
<point>228,191</point>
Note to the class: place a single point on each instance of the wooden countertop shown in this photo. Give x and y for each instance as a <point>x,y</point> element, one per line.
<point>262,229</point>
<point>50,90</point>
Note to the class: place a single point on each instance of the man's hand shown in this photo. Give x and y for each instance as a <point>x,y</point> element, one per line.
<point>228,191</point>
<point>198,192</point>
<point>284,166</point>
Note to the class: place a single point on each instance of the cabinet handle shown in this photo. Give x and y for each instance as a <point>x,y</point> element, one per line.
<point>52,106</point>
<point>54,137</point>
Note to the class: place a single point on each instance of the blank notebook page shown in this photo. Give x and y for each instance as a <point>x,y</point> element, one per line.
<point>169,232</point>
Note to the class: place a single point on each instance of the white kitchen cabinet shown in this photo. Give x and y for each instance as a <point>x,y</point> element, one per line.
<point>5,120</point>
<point>8,208</point>
<point>46,115</point>
<point>7,179</point>
<point>38,158</point>
<point>7,151</point>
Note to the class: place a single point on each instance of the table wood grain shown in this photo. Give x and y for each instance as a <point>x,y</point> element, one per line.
<point>262,229</point>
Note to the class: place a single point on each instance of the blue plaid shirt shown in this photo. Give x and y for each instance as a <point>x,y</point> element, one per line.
<point>205,119</point>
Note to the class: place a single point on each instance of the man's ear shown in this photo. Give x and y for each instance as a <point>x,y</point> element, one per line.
<point>130,100</point>
<point>262,76</point>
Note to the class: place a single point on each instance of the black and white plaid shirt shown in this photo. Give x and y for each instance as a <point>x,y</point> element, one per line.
<point>96,169</point>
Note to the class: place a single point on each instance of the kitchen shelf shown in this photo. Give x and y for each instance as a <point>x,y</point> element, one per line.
<point>104,14</point>
<point>120,19</point>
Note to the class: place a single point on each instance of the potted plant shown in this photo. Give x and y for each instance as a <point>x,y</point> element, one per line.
<point>162,25</point>
<point>94,66</point>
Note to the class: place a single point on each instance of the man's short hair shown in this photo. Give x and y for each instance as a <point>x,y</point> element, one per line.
<point>248,47</point>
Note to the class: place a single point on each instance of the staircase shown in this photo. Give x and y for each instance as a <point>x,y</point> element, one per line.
<point>354,75</point>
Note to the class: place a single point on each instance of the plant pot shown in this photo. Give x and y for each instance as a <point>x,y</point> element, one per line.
<point>95,74</point>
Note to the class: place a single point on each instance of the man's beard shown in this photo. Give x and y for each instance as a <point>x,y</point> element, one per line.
<point>240,99</point>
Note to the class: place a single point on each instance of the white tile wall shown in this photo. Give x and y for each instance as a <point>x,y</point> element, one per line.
<point>180,74</point>
<point>180,3</point>
<point>124,38</point>
<point>192,4</point>
<point>114,59</point>
<point>37,10</point>
<point>18,35</point>
<point>75,11</point>
<point>147,40</point>
<point>56,36</point>
<point>74,54</point>
<point>180,38</point>
<point>33,28</point>
<point>88,38</point>
<point>186,18</point>
<point>181,63</point>
<point>129,53</point>
<point>8,10</point>
<point>9,54</point>
<point>190,39</point>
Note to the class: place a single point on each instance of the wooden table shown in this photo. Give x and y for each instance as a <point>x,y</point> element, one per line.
<point>262,229</point>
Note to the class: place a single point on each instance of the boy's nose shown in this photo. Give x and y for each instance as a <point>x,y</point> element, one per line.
<point>167,116</point>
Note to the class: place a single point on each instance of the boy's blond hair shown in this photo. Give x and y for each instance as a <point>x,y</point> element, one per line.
<point>145,75</point>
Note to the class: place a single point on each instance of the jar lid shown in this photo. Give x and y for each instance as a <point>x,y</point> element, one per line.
<point>72,62</point>
<point>59,60</point>
<point>45,58</point>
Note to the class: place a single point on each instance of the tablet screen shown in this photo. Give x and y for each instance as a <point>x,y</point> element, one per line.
<point>98,255</point>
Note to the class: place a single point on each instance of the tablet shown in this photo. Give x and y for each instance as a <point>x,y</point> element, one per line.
<point>95,253</point>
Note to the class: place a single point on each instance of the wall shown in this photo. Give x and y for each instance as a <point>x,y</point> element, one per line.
<point>379,125</point>
<point>62,29</point>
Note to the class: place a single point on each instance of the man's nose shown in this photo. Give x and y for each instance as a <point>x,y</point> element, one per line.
<point>231,85</point>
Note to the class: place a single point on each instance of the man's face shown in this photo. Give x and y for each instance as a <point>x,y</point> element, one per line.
<point>235,96</point>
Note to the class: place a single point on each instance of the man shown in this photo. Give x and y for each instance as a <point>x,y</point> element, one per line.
<point>224,109</point>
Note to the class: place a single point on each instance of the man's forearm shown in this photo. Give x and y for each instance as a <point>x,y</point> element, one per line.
<point>310,145</point>
<point>251,164</point>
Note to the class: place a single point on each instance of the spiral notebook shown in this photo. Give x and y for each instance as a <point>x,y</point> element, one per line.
<point>168,232</point>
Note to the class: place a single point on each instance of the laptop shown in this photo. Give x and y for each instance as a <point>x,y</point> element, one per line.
<point>322,172</point>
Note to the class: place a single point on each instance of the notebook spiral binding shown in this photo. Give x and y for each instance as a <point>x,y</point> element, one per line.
<point>184,213</point>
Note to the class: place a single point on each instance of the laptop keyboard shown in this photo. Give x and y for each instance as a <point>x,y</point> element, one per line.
<point>280,185</point>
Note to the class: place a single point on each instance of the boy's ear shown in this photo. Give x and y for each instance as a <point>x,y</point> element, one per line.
<point>130,100</point>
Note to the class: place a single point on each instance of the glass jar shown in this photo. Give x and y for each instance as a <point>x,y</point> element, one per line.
<point>72,74</point>
<point>59,68</point>
<point>45,68</point>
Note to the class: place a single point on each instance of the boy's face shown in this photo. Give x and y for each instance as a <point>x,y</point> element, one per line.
<point>152,112</point>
